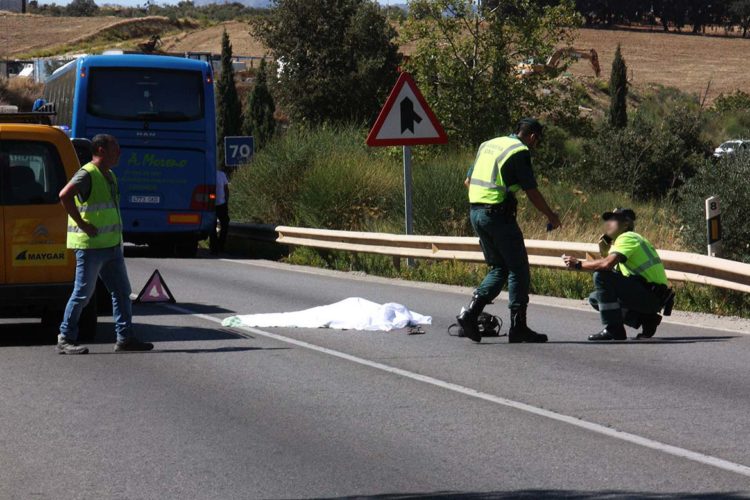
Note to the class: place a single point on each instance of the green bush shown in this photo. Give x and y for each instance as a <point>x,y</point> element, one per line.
<point>729,179</point>
<point>661,147</point>
<point>736,101</point>
<point>324,177</point>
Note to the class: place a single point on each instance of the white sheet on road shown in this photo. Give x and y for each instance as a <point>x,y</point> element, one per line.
<point>350,314</point>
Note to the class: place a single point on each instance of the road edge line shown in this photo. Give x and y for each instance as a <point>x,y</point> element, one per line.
<point>676,451</point>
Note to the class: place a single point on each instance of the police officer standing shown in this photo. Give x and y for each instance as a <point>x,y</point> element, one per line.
<point>630,282</point>
<point>502,168</point>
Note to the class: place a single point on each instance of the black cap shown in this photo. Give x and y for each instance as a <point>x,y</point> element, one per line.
<point>619,214</point>
<point>531,126</point>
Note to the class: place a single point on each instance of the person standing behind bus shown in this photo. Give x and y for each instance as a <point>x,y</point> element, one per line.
<point>92,202</point>
<point>219,237</point>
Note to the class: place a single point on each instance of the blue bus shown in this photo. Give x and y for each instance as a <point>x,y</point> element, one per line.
<point>162,111</point>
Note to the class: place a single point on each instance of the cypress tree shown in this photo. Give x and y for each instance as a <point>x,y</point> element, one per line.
<point>259,121</point>
<point>228,106</point>
<point>618,92</point>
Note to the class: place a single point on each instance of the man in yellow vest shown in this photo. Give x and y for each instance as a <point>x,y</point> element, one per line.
<point>502,168</point>
<point>630,282</point>
<point>92,202</point>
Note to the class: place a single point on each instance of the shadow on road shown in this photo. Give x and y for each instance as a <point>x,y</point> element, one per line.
<point>652,341</point>
<point>160,310</point>
<point>31,334</point>
<point>199,351</point>
<point>553,494</point>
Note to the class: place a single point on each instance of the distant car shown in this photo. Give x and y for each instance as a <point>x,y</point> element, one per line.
<point>732,147</point>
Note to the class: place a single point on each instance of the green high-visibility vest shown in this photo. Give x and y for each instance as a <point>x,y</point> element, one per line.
<point>486,184</point>
<point>101,209</point>
<point>641,258</point>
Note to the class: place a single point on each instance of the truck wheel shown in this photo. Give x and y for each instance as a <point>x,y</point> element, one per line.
<point>161,249</point>
<point>88,321</point>
<point>103,299</point>
<point>187,250</point>
<point>51,319</point>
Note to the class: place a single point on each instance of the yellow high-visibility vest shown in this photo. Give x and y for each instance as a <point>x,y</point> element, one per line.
<point>486,184</point>
<point>102,210</point>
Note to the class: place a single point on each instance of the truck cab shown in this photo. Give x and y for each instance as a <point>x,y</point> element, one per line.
<point>36,269</point>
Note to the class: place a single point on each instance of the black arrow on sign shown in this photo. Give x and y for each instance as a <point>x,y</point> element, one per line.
<point>408,116</point>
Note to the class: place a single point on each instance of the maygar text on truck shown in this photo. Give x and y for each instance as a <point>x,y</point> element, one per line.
<point>161,110</point>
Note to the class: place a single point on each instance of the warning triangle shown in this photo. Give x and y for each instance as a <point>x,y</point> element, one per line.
<point>156,290</point>
<point>406,119</point>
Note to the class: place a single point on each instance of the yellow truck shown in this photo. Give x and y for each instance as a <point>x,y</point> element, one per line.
<point>36,269</point>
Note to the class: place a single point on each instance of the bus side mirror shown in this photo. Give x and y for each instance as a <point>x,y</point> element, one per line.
<point>83,148</point>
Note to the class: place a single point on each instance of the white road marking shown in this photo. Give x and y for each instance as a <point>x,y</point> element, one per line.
<point>541,300</point>
<point>559,417</point>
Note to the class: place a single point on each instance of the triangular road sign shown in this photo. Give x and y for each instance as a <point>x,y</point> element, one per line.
<point>156,290</point>
<point>406,119</point>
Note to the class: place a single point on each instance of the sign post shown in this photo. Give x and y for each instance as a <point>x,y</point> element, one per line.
<point>713,226</point>
<point>406,120</point>
<point>408,197</point>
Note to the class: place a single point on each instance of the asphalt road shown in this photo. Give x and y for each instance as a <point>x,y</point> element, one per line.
<point>215,413</point>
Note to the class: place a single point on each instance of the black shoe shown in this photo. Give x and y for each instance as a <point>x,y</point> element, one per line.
<point>650,323</point>
<point>64,346</point>
<point>519,330</point>
<point>133,344</point>
<point>467,319</point>
<point>610,333</point>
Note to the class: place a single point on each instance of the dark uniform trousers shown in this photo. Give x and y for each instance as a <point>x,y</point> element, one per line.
<point>622,299</point>
<point>504,251</point>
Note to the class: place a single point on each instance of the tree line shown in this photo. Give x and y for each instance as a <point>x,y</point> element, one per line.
<point>675,15</point>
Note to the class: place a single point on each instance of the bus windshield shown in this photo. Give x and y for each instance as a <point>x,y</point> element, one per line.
<point>145,94</point>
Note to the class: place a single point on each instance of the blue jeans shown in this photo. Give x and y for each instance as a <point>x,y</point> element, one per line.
<point>505,252</point>
<point>109,264</point>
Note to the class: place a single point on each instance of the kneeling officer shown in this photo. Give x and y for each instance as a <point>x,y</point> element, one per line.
<point>630,283</point>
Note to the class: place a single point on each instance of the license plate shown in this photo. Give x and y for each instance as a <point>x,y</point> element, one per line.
<point>145,199</point>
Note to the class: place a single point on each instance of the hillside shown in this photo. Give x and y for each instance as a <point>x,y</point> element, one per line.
<point>38,36</point>
<point>679,60</point>
<point>209,40</point>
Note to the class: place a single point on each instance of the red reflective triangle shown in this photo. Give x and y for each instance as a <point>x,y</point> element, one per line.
<point>406,119</point>
<point>156,290</point>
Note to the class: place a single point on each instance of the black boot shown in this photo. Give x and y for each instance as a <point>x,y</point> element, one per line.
<point>611,332</point>
<point>650,323</point>
<point>520,332</point>
<point>467,319</point>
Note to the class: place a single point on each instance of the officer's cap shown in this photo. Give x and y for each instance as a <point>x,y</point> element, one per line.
<point>620,214</point>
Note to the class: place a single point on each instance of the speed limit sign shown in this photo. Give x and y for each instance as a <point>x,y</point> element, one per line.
<point>238,149</point>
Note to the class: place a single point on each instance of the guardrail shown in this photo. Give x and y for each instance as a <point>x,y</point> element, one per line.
<point>681,266</point>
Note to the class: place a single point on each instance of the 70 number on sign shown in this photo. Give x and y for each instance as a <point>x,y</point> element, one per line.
<point>240,150</point>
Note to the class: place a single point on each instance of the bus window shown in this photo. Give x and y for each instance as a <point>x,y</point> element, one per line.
<point>140,94</point>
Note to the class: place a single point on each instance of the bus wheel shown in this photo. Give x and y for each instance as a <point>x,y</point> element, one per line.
<point>187,250</point>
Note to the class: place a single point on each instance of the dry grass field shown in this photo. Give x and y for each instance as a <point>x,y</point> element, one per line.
<point>687,62</point>
<point>209,40</point>
<point>20,34</point>
<point>684,61</point>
